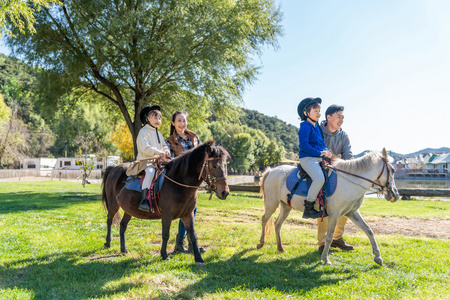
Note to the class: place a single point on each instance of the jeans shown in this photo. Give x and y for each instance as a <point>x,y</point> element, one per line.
<point>181,229</point>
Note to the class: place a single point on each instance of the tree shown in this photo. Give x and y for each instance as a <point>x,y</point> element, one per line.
<point>275,153</point>
<point>242,152</point>
<point>284,134</point>
<point>5,111</point>
<point>17,82</point>
<point>123,141</point>
<point>20,14</point>
<point>173,53</point>
<point>12,141</point>
<point>80,125</point>
<point>249,148</point>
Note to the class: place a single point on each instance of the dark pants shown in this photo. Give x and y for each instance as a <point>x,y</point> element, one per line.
<point>181,229</point>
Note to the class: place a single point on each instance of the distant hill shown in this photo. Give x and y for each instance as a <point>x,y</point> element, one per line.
<point>275,129</point>
<point>414,154</point>
<point>430,150</point>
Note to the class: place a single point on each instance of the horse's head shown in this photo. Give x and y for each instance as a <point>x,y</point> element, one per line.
<point>387,178</point>
<point>216,159</point>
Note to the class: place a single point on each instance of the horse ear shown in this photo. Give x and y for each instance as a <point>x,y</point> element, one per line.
<point>384,153</point>
<point>209,145</point>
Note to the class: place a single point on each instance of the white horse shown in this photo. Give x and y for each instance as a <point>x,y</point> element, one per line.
<point>355,178</point>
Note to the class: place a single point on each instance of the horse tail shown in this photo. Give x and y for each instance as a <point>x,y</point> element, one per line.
<point>116,217</point>
<point>269,226</point>
<point>261,183</point>
<point>105,175</point>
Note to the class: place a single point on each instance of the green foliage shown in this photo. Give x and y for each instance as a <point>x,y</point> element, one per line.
<point>140,52</point>
<point>12,140</point>
<point>5,112</point>
<point>56,229</point>
<point>284,134</point>
<point>20,15</point>
<point>82,126</point>
<point>242,152</point>
<point>250,149</point>
<point>17,83</point>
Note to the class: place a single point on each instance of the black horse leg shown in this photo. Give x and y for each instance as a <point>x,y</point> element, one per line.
<point>108,231</point>
<point>166,221</point>
<point>190,228</point>
<point>123,227</point>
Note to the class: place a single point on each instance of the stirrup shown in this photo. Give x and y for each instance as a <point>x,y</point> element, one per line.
<point>144,205</point>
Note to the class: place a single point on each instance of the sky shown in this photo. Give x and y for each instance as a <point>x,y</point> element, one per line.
<point>386,62</point>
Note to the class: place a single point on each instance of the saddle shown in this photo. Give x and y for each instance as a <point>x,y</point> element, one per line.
<point>298,183</point>
<point>134,183</point>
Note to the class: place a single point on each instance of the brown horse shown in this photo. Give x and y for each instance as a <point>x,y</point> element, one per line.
<point>178,195</point>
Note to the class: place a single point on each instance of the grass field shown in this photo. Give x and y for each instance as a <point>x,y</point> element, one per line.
<point>52,236</point>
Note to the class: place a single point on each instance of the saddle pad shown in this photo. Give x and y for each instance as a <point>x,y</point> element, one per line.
<point>303,187</point>
<point>135,184</point>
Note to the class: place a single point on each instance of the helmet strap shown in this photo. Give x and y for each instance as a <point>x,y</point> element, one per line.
<point>157,135</point>
<point>308,117</point>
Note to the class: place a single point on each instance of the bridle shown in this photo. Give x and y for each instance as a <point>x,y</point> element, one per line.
<point>208,178</point>
<point>382,188</point>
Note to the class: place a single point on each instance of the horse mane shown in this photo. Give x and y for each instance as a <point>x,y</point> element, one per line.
<point>191,160</point>
<point>358,164</point>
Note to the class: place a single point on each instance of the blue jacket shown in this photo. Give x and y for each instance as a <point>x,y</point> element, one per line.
<point>310,138</point>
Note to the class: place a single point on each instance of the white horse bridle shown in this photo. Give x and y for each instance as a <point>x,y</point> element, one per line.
<point>383,189</point>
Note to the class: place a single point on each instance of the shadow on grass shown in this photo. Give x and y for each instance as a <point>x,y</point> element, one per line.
<point>297,275</point>
<point>62,276</point>
<point>26,201</point>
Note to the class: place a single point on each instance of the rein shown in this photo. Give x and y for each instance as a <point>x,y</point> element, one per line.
<point>209,179</point>
<point>327,165</point>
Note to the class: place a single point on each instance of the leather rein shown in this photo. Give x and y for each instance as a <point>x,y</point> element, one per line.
<point>382,188</point>
<point>208,178</point>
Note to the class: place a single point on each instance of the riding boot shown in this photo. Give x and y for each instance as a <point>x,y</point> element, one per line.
<point>310,212</point>
<point>179,245</point>
<point>145,206</point>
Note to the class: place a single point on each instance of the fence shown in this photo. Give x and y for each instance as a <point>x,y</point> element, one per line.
<point>432,173</point>
<point>49,174</point>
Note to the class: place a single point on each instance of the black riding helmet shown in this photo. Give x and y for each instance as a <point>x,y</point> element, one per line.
<point>145,110</point>
<point>304,104</point>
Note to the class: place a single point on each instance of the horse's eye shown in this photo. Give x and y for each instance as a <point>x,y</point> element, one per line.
<point>214,166</point>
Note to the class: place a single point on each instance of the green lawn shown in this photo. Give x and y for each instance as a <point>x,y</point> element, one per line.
<point>52,236</point>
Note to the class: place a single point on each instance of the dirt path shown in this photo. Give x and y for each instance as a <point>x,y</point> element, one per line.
<point>432,228</point>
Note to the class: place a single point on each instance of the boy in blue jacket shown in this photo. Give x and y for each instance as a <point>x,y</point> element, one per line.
<point>312,148</point>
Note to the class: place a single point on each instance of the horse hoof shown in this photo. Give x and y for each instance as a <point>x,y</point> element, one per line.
<point>124,252</point>
<point>259,246</point>
<point>106,246</point>
<point>328,263</point>
<point>379,260</point>
<point>166,258</point>
<point>281,250</point>
<point>197,263</point>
